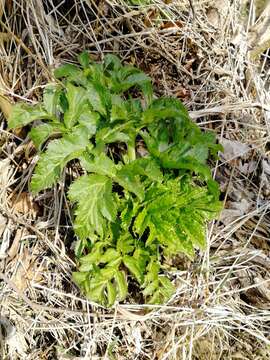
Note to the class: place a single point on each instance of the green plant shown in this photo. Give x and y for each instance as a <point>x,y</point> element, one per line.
<point>132,212</point>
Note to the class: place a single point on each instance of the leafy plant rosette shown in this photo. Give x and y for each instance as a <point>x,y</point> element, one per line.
<point>145,193</point>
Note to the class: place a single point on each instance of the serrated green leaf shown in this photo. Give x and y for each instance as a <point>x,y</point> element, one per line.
<point>41,133</point>
<point>98,97</point>
<point>133,266</point>
<point>23,114</point>
<point>121,285</point>
<point>129,175</point>
<point>112,62</point>
<point>94,256</point>
<point>96,292</point>
<point>163,292</point>
<point>96,75</point>
<point>128,77</point>
<point>67,70</point>
<point>100,164</point>
<point>157,288</point>
<point>119,110</point>
<point>90,120</point>
<point>106,285</point>
<point>111,294</point>
<point>141,222</point>
<point>51,98</point>
<point>167,288</point>
<point>84,59</point>
<point>126,110</point>
<point>130,182</point>
<point>63,102</point>
<point>175,217</point>
<point>194,228</point>
<point>79,277</point>
<point>53,160</point>
<point>175,140</point>
<point>183,156</point>
<point>80,246</point>
<point>165,108</point>
<point>95,204</point>
<point>110,255</point>
<point>98,284</point>
<point>109,135</point>
<point>213,188</point>
<point>150,288</point>
<point>151,282</point>
<point>136,264</point>
<point>146,167</point>
<point>77,105</point>
<point>125,244</point>
<point>128,213</point>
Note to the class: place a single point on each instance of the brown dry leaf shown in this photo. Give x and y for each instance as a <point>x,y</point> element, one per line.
<point>266,166</point>
<point>203,348</point>
<point>260,239</point>
<point>150,17</point>
<point>235,210</point>
<point>233,150</point>
<point>171,24</point>
<point>260,6</point>
<point>24,204</point>
<point>217,13</point>
<point>5,241</point>
<point>20,132</point>
<point>13,250</point>
<point>20,277</point>
<point>182,92</point>
<point>4,37</point>
<point>264,178</point>
<point>2,6</point>
<point>26,271</point>
<point>248,167</point>
<point>258,295</point>
<point>17,344</point>
<point>5,104</point>
<point>259,34</point>
<point>25,149</point>
<point>213,17</point>
<point>6,173</point>
<point>3,222</point>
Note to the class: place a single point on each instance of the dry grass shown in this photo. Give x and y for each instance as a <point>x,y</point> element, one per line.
<point>199,54</point>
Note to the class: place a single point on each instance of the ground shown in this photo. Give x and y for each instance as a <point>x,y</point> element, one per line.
<point>212,55</point>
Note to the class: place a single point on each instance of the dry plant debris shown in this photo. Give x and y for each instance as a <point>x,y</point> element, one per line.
<point>197,51</point>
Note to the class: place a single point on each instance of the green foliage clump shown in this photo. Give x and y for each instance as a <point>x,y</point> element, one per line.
<point>132,212</point>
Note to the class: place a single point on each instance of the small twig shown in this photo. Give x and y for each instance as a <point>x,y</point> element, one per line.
<point>27,50</point>
<point>223,109</point>
<point>36,306</point>
<point>192,8</point>
<point>17,220</point>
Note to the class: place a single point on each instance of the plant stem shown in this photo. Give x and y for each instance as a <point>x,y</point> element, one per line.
<point>131,153</point>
